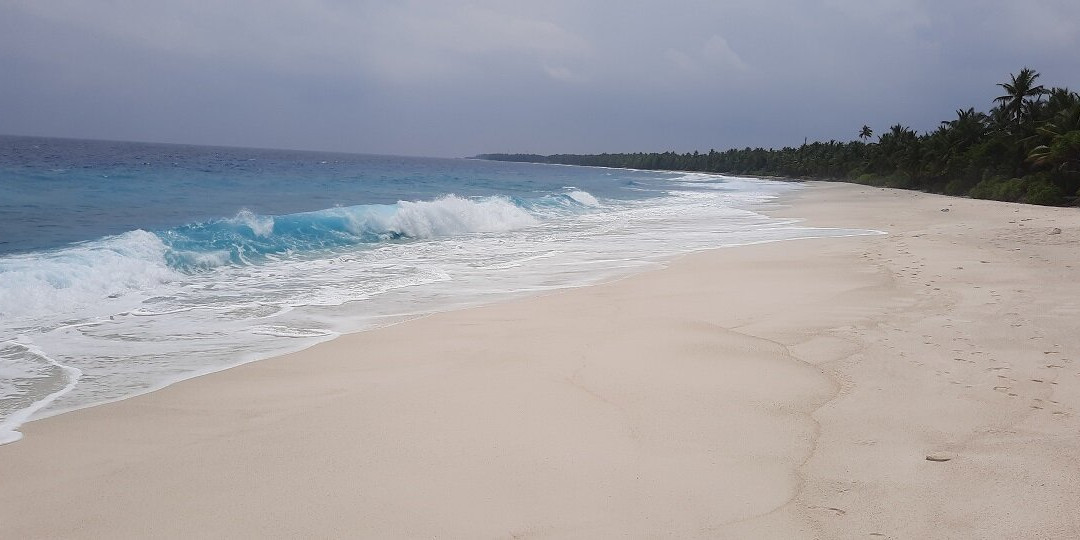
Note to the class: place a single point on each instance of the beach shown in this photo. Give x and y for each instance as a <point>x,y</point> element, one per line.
<point>921,383</point>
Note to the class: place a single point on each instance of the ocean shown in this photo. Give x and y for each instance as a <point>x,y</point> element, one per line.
<point>125,267</point>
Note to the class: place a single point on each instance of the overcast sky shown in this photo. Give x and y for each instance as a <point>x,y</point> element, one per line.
<point>455,78</point>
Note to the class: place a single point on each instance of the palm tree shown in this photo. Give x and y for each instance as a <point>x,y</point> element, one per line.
<point>968,128</point>
<point>1062,154</point>
<point>1061,134</point>
<point>865,133</point>
<point>1016,102</point>
<point>899,133</point>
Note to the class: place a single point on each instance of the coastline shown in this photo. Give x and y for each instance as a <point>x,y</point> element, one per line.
<point>785,389</point>
<point>310,325</point>
<point>157,321</point>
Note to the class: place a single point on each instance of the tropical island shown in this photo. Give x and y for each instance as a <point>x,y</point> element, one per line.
<point>1025,149</point>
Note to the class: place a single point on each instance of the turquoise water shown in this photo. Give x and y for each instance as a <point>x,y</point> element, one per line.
<point>127,266</point>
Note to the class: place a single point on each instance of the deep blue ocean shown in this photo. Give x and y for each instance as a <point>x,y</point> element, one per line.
<point>125,267</point>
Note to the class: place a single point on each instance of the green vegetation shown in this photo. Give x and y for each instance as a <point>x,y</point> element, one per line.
<point>1026,148</point>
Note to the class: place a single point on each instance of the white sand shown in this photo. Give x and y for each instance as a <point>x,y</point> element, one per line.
<point>784,390</point>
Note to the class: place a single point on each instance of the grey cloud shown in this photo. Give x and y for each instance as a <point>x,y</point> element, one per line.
<point>457,78</point>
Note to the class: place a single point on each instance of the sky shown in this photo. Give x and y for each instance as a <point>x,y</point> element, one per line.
<point>452,78</point>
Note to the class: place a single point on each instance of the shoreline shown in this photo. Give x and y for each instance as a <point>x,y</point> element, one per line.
<point>13,433</point>
<point>774,390</point>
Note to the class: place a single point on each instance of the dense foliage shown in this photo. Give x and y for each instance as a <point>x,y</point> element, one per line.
<point>1026,148</point>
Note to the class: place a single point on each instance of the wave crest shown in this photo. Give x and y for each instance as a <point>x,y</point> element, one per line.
<point>248,238</point>
<point>82,275</point>
<point>584,198</point>
<point>76,278</point>
<point>454,215</point>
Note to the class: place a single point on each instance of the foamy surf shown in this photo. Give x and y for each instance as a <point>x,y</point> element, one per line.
<point>18,390</point>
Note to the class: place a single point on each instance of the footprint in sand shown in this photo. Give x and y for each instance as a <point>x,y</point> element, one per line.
<point>837,511</point>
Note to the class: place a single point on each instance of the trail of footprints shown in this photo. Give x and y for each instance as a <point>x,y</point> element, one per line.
<point>997,376</point>
<point>1005,381</point>
<point>1028,378</point>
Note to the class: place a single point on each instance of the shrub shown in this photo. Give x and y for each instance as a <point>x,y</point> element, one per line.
<point>1011,190</point>
<point>870,180</point>
<point>957,186</point>
<point>1040,190</point>
<point>987,188</point>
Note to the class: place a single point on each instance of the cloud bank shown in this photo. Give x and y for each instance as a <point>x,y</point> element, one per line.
<point>453,78</point>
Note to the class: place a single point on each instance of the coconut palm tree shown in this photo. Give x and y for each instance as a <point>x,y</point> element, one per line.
<point>1063,152</point>
<point>865,133</point>
<point>1020,92</point>
<point>1062,136</point>
<point>898,134</point>
<point>968,128</point>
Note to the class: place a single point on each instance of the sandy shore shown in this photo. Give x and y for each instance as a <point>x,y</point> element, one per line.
<point>783,390</point>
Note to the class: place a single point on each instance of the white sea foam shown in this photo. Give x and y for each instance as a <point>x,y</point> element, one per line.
<point>584,198</point>
<point>288,332</point>
<point>19,389</point>
<point>88,277</point>
<point>455,215</point>
<point>260,225</point>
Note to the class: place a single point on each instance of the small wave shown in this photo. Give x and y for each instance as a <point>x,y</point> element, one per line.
<point>518,262</point>
<point>701,177</point>
<point>10,422</point>
<point>584,198</point>
<point>455,215</point>
<point>289,332</point>
<point>148,313</point>
<point>571,203</point>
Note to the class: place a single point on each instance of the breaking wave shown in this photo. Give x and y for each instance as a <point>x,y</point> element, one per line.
<point>83,275</point>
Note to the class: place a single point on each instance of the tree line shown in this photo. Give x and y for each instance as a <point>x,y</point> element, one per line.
<point>1026,148</point>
